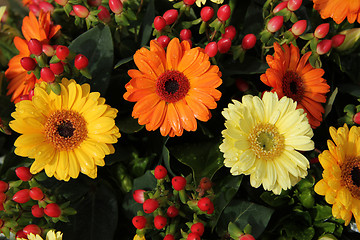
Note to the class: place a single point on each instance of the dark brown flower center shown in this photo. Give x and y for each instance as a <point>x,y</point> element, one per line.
<point>65,129</point>
<point>172,86</point>
<point>350,175</point>
<point>292,86</point>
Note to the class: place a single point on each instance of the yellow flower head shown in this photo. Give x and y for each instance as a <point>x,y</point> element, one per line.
<point>67,133</point>
<point>261,139</point>
<point>341,176</point>
<point>137,237</point>
<point>199,2</point>
<point>51,235</point>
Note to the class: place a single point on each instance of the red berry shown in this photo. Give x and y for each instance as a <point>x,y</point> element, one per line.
<point>23,173</point>
<point>280,7</point>
<point>62,2</point>
<point>323,47</point>
<point>159,23</point>
<point>160,172</point>
<point>193,236</point>
<point>62,52</point>
<point>4,186</point>
<point>36,193</point>
<point>294,5</point>
<point>275,24</point>
<point>211,208</point>
<point>163,41</point>
<point>160,222</point>
<point>34,9</point>
<point>178,183</point>
<point>224,45</point>
<point>116,6</point>
<point>150,205</point>
<point>205,184</point>
<point>204,204</point>
<point>46,7</point>
<point>81,61</point>
<point>189,2</point>
<point>57,68</point>
<point>35,47</point>
<point>211,49</point>
<point>81,11</point>
<point>230,32</point>
<point>47,75</point>
<point>170,16</point>
<point>299,27</point>
<point>20,234</point>
<point>52,210</point>
<point>356,118</point>
<point>2,197</point>
<point>28,63</point>
<point>37,211</point>
<point>337,40</point>
<point>242,85</point>
<point>172,212</point>
<point>32,228</point>
<point>185,34</point>
<point>94,3</point>
<point>139,222</point>
<point>138,196</point>
<point>104,14</point>
<point>248,41</point>
<point>224,13</point>
<point>197,228</point>
<point>322,30</point>
<point>169,237</point>
<point>48,50</point>
<point>207,13</point>
<point>246,237</point>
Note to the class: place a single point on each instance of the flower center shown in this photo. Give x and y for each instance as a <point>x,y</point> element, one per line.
<point>266,141</point>
<point>65,129</point>
<point>292,86</point>
<point>350,175</point>
<point>172,86</point>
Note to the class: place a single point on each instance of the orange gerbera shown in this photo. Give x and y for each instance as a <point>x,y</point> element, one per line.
<point>20,81</point>
<point>294,77</point>
<point>338,10</point>
<point>173,88</point>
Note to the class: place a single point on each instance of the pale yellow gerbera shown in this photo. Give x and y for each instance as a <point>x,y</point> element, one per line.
<point>67,133</point>
<point>199,2</point>
<point>51,235</point>
<point>341,176</point>
<point>261,139</point>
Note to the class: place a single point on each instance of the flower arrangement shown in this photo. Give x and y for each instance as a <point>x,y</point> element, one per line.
<point>179,119</point>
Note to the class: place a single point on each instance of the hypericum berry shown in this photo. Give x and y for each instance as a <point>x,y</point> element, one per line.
<point>280,7</point>
<point>47,75</point>
<point>23,173</point>
<point>163,41</point>
<point>170,16</point>
<point>246,237</point>
<point>172,212</point>
<point>160,222</point>
<point>46,7</point>
<point>242,85</point>
<point>20,234</point>
<point>224,13</point>
<point>94,3</point>
<point>356,118</point>
<point>248,41</point>
<point>323,47</point>
<point>4,186</point>
<point>35,47</point>
<point>104,14</point>
<point>230,32</point>
<point>62,2</point>
<point>138,196</point>
<point>275,24</point>
<point>211,208</point>
<point>34,9</point>
<point>294,5</point>
<point>322,30</point>
<point>28,63</point>
<point>178,183</point>
<point>52,210</point>
<point>211,49</point>
<point>21,196</point>
<point>36,193</point>
<point>159,23</point>
<point>197,228</point>
<point>224,45</point>
<point>299,27</point>
<point>81,11</point>
<point>62,52</point>
<point>2,197</point>
<point>337,40</point>
<point>139,222</point>
<point>204,204</point>
<point>48,50</point>
<point>189,2</point>
<point>185,34</point>
<point>207,13</point>
<point>37,211</point>
<point>193,236</point>
<point>116,6</point>
<point>57,68</point>
<point>150,205</point>
<point>81,61</point>
<point>32,228</point>
<point>160,172</point>
<point>205,184</point>
<point>169,237</point>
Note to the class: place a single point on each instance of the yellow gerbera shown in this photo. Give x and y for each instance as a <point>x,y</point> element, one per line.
<point>199,2</point>
<point>51,235</point>
<point>341,176</point>
<point>261,139</point>
<point>137,237</point>
<point>67,133</point>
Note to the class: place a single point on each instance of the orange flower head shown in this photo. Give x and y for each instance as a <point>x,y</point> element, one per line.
<point>294,77</point>
<point>174,88</point>
<point>338,10</point>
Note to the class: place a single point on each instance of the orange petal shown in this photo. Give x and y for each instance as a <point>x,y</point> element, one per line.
<point>173,54</point>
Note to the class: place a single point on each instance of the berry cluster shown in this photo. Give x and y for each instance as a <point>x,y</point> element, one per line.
<point>182,212</point>
<point>27,207</point>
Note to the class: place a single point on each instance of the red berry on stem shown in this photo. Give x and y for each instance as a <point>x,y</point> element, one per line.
<point>356,118</point>
<point>20,234</point>
<point>246,237</point>
<point>242,85</point>
<point>104,14</point>
<point>160,222</point>
<point>197,228</point>
<point>337,40</point>
<point>2,197</point>
<point>185,34</point>
<point>224,45</point>
<point>52,210</point>
<point>28,63</point>
<point>163,41</point>
<point>275,24</point>
<point>248,41</point>
<point>116,6</point>
<point>170,16</point>
<point>224,13</point>
<point>21,196</point>
<point>37,211</point>
<point>169,237</point>
<point>322,30</point>
<point>34,9</point>
<point>159,23</point>
<point>62,52</point>
<point>211,208</point>
<point>46,7</point>
<point>81,61</point>
<point>36,193</point>
<point>193,236</point>
<point>150,205</point>
<point>189,2</point>
<point>47,75</point>
<point>57,68</point>
<point>138,196</point>
<point>323,47</point>
<point>23,173</point>
<point>139,222</point>
<point>62,2</point>
<point>172,212</point>
<point>178,183</point>
<point>204,204</point>
<point>207,13</point>
<point>280,7</point>
<point>211,49</point>
<point>94,3</point>
<point>81,11</point>
<point>48,50</point>
<point>294,5</point>
<point>160,172</point>
<point>32,228</point>
<point>299,27</point>
<point>205,184</point>
<point>35,47</point>
<point>4,186</point>
<point>230,32</point>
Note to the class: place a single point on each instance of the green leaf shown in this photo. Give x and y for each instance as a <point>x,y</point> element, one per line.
<point>299,232</point>
<point>128,125</point>
<point>350,88</point>
<point>330,102</point>
<point>251,65</point>
<point>203,158</point>
<point>123,61</point>
<point>322,212</point>
<point>328,227</point>
<point>147,23</point>
<point>97,45</point>
<point>276,200</point>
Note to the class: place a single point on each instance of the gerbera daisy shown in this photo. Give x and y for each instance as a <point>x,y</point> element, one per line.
<point>338,10</point>
<point>341,176</point>
<point>261,139</point>
<point>294,77</point>
<point>199,2</point>
<point>137,237</point>
<point>51,235</point>
<point>67,133</point>
<point>173,88</point>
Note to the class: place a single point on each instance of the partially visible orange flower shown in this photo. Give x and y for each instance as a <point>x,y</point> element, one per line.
<point>174,88</point>
<point>294,77</point>
<point>338,10</point>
